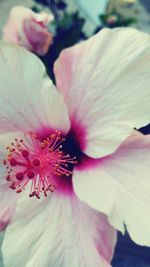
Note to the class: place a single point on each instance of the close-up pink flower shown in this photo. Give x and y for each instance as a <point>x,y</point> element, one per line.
<point>71,154</point>
<point>29,29</point>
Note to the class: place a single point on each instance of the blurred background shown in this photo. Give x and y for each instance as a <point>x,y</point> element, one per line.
<point>74,21</point>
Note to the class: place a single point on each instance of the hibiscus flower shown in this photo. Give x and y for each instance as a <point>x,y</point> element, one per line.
<point>28,29</point>
<point>71,153</point>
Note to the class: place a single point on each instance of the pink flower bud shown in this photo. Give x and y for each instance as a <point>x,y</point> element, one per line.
<point>28,29</point>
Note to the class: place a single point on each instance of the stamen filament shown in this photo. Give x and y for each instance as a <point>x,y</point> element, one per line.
<point>37,162</point>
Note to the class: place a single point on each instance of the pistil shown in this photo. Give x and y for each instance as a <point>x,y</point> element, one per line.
<point>38,163</point>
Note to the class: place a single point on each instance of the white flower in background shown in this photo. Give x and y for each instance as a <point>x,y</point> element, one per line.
<point>28,29</point>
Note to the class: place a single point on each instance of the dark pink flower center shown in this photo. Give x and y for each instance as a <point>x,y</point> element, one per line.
<point>38,163</point>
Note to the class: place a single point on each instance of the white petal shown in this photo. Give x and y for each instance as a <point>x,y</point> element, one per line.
<point>106,84</point>
<point>59,231</point>
<point>119,185</point>
<point>7,196</point>
<point>7,205</point>
<point>28,99</point>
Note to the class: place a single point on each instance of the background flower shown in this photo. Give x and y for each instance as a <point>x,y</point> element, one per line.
<point>28,29</point>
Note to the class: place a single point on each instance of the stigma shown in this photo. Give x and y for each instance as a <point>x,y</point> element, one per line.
<point>38,163</point>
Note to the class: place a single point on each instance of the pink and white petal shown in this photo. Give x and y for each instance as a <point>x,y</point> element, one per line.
<point>39,37</point>
<point>5,141</point>
<point>43,17</point>
<point>13,30</point>
<point>10,32</point>
<point>28,99</point>
<point>58,231</point>
<point>7,196</point>
<point>106,84</point>
<point>119,185</point>
<point>7,205</point>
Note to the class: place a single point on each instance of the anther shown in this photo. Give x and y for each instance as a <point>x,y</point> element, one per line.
<point>19,191</point>
<point>8,178</point>
<point>4,161</point>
